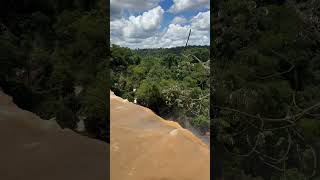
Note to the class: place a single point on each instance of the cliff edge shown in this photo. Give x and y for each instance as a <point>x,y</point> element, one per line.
<point>144,146</point>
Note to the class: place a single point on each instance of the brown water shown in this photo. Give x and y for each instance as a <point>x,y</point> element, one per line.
<point>147,147</point>
<point>36,149</point>
<point>143,147</point>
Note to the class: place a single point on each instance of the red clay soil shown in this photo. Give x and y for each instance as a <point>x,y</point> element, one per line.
<point>146,147</point>
<point>36,149</point>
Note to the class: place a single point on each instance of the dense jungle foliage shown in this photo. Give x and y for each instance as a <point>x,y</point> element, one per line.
<point>173,82</point>
<point>265,89</point>
<point>54,60</point>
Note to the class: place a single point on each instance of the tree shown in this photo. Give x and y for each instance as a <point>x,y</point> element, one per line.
<point>259,83</point>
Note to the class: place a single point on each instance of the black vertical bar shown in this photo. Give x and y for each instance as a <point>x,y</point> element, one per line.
<point>215,150</point>
<point>108,87</point>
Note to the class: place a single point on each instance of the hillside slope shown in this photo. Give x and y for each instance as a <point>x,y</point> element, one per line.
<point>34,149</point>
<point>146,147</point>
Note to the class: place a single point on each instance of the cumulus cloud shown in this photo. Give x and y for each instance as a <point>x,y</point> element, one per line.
<point>201,21</point>
<point>176,34</point>
<point>179,20</point>
<point>118,6</point>
<point>183,5</point>
<point>137,27</point>
<point>144,31</point>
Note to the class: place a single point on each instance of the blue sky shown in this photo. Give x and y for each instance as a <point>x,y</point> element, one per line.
<point>159,23</point>
<point>168,17</point>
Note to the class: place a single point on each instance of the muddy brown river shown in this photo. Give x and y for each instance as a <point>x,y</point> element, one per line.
<point>147,147</point>
<point>143,147</point>
<point>36,149</point>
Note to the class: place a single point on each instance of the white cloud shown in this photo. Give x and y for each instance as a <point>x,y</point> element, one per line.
<point>179,20</point>
<point>117,6</point>
<point>177,32</point>
<point>201,21</point>
<point>176,35</point>
<point>143,31</point>
<point>137,27</point>
<point>183,5</point>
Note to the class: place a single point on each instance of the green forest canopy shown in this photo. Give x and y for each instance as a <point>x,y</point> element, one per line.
<point>265,89</point>
<point>264,78</point>
<point>173,82</point>
<point>49,48</point>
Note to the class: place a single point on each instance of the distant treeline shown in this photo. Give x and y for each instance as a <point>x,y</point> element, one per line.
<point>164,51</point>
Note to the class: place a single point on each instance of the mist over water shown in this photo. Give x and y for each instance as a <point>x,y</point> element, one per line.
<point>187,125</point>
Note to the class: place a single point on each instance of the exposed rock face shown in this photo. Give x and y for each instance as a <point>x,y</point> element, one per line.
<point>146,147</point>
<point>36,149</point>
